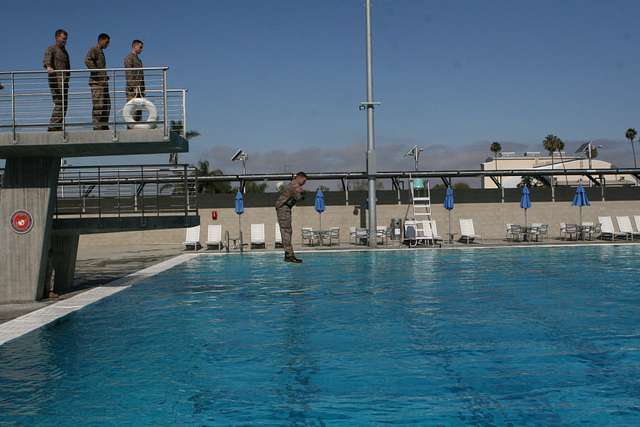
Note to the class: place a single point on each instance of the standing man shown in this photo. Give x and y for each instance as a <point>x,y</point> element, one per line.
<point>287,200</point>
<point>99,83</point>
<point>135,78</point>
<point>55,60</point>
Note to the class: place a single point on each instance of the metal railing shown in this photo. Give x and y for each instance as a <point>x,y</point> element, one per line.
<point>117,191</point>
<point>64,100</point>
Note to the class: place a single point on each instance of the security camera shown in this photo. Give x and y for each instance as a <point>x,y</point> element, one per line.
<point>240,155</point>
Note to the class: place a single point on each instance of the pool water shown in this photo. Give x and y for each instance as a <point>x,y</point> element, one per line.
<point>530,336</point>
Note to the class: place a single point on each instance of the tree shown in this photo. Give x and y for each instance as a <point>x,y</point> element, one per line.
<point>552,144</point>
<point>631,136</point>
<point>201,170</point>
<point>530,181</point>
<point>496,148</point>
<point>178,126</point>
<point>252,187</point>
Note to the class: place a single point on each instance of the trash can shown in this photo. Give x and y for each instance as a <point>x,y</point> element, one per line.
<point>396,228</point>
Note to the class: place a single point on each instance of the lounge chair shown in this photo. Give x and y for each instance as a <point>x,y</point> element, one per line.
<point>624,225</point>
<point>192,238</point>
<point>467,231</point>
<point>563,230</point>
<point>278,240</point>
<point>636,219</point>
<point>607,229</point>
<point>516,232</point>
<point>214,236</point>
<point>436,239</point>
<point>257,235</point>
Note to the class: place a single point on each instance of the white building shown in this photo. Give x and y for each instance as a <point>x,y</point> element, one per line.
<point>536,161</point>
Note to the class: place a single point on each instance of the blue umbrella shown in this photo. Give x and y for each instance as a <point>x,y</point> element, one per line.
<point>448,205</point>
<point>240,211</point>
<point>580,199</point>
<point>525,202</point>
<point>239,203</point>
<point>320,205</point>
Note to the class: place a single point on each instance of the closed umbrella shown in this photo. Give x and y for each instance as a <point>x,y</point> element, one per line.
<point>525,202</point>
<point>448,205</point>
<point>580,199</point>
<point>240,211</point>
<point>320,205</point>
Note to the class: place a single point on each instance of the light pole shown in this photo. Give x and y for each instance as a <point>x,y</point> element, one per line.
<point>415,152</point>
<point>369,105</point>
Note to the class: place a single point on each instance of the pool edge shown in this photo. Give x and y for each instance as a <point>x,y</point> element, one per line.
<point>29,322</point>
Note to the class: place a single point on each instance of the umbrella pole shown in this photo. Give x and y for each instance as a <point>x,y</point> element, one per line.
<point>449,225</point>
<point>240,231</point>
<point>320,215</point>
<point>525,218</point>
<point>580,216</point>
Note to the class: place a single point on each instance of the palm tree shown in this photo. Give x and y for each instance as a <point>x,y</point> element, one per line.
<point>496,148</point>
<point>560,149</point>
<point>631,135</point>
<point>178,126</point>
<point>202,169</point>
<point>552,144</point>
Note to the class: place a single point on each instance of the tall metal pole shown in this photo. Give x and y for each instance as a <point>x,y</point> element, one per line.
<point>371,153</point>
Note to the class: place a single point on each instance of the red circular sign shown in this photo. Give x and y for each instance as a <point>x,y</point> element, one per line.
<point>21,222</point>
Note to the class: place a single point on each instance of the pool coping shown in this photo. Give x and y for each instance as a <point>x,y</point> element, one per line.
<point>29,322</point>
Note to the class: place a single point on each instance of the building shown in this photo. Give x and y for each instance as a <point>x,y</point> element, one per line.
<point>534,160</point>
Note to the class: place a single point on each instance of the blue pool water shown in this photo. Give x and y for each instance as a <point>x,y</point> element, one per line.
<point>544,336</point>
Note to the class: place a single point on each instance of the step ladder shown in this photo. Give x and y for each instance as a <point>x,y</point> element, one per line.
<point>420,198</point>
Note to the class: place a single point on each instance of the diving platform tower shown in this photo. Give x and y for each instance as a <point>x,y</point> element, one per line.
<point>30,249</point>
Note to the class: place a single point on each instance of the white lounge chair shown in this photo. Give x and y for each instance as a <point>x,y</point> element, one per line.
<point>467,231</point>
<point>257,235</point>
<point>434,233</point>
<point>607,230</point>
<point>192,238</point>
<point>334,236</point>
<point>278,240</point>
<point>636,219</point>
<point>624,225</point>
<point>563,230</point>
<point>214,236</point>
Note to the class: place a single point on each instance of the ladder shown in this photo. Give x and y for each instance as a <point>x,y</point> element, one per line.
<point>420,199</point>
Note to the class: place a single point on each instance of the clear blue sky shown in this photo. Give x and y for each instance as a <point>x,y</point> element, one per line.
<point>288,74</point>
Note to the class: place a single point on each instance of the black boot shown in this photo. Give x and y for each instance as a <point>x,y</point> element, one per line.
<point>292,258</point>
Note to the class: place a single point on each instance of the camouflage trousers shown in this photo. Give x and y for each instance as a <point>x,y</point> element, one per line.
<point>101,107</point>
<point>284,220</point>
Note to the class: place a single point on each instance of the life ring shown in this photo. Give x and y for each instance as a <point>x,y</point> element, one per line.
<point>140,104</point>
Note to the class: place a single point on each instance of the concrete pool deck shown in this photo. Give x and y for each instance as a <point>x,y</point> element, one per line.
<point>105,270</point>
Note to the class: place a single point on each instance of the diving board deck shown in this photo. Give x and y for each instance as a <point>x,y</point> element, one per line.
<point>91,143</point>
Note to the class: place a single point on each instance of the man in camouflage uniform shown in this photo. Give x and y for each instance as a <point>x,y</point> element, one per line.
<point>56,58</point>
<point>135,78</point>
<point>99,83</point>
<point>287,200</point>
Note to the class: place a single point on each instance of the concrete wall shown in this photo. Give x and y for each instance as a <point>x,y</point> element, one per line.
<point>489,220</point>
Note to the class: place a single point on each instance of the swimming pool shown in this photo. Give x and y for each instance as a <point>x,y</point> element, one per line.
<point>531,336</point>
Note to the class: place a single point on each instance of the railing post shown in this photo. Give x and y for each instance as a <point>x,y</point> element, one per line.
<point>142,190</point>
<point>114,106</point>
<point>64,111</point>
<point>164,103</point>
<point>13,107</point>
<point>99,194</point>
<point>184,113</point>
<point>186,192</point>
